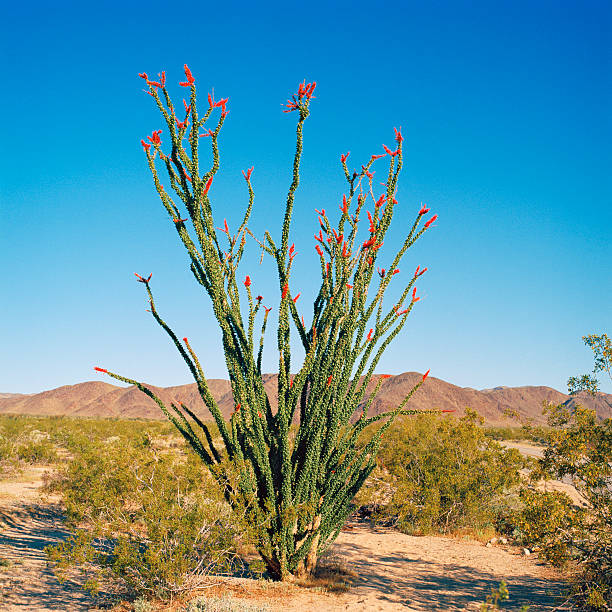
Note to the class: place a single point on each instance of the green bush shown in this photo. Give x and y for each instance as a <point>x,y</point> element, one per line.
<point>23,443</point>
<point>443,474</point>
<point>147,516</point>
<point>579,448</point>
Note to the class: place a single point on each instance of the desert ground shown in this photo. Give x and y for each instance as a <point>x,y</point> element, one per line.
<point>387,570</point>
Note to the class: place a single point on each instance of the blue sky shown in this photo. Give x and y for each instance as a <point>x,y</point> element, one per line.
<point>505,109</point>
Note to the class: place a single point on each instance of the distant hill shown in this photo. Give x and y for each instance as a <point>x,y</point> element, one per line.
<point>101,399</point>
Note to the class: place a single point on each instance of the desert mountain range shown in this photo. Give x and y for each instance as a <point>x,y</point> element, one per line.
<point>101,399</point>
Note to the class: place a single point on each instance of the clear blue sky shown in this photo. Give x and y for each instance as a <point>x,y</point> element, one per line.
<point>505,108</point>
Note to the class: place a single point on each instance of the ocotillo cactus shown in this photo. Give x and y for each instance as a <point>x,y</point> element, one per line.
<point>299,487</point>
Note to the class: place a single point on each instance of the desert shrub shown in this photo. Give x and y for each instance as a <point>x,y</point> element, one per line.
<point>532,433</point>
<point>22,443</point>
<point>542,516</point>
<point>224,604</point>
<point>443,474</point>
<point>578,449</point>
<point>147,517</point>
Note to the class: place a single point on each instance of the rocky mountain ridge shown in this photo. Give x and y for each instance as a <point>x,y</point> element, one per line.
<point>101,399</point>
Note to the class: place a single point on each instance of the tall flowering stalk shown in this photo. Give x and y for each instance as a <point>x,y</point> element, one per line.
<point>298,484</point>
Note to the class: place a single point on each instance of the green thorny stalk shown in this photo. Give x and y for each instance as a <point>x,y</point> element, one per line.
<point>299,484</point>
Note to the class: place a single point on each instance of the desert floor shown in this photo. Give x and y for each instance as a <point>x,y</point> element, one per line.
<point>388,570</point>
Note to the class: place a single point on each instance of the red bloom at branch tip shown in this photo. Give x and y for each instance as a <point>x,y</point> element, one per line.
<point>296,298</point>
<point>380,201</point>
<point>424,210</point>
<point>381,273</point>
<point>329,379</point>
<point>285,291</point>
<point>143,75</point>
<point>396,271</point>
<point>318,249</point>
<point>369,243</point>
<point>185,340</point>
<point>238,407</point>
<point>431,221</point>
<point>448,411</point>
<point>154,138</point>
<point>247,174</point>
<point>375,157</point>
<point>366,172</point>
<point>387,150</point>
<point>349,286</point>
<point>259,298</point>
<point>398,135</point>
<point>344,157</point>
<point>385,376</point>
<point>267,309</point>
<point>177,221</point>
<point>189,76</point>
<point>426,375</point>
<point>247,281</point>
<point>344,206</point>
<point>370,334</point>
<point>208,184</point>
<point>101,370</point>
<point>414,298</point>
<point>259,414</point>
<point>145,145</point>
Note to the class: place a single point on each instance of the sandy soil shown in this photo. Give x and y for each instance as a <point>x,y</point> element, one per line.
<point>390,571</point>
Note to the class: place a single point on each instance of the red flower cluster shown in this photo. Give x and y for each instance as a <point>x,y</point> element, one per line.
<point>366,172</point>
<point>389,152</point>
<point>303,90</point>
<point>344,206</point>
<point>190,80</point>
<point>247,174</point>
<point>143,280</point>
<point>154,138</point>
<point>306,90</point>
<point>208,184</point>
<point>431,221</point>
